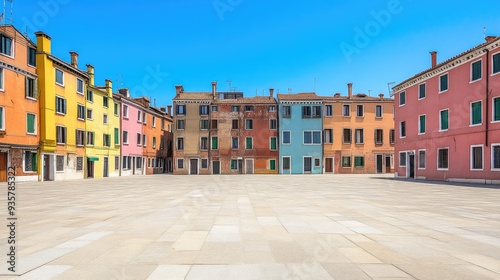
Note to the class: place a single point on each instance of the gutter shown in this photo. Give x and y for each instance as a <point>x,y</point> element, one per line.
<point>487,103</point>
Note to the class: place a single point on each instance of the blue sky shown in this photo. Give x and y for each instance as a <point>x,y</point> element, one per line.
<point>150,46</point>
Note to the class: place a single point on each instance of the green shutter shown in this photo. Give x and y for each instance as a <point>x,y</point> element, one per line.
<point>26,87</point>
<point>31,123</point>
<point>476,113</point>
<point>444,82</point>
<point>215,143</point>
<point>444,120</point>
<point>272,164</point>
<point>1,118</point>
<point>422,124</point>
<point>34,160</point>
<point>117,133</point>
<point>496,109</point>
<point>233,164</point>
<point>249,143</point>
<point>273,143</point>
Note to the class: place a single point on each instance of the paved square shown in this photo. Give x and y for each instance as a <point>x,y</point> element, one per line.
<point>254,227</point>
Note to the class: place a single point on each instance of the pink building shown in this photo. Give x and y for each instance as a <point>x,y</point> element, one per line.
<point>131,123</point>
<point>447,119</point>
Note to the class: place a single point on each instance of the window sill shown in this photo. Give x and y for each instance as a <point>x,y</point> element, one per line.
<point>497,121</point>
<point>61,85</point>
<point>443,130</point>
<point>60,114</point>
<point>477,170</point>
<point>32,66</point>
<point>6,55</point>
<point>475,81</point>
<point>80,93</point>
<point>31,98</point>
<point>474,125</point>
<point>421,98</point>
<point>32,134</point>
<point>443,169</point>
<point>439,92</point>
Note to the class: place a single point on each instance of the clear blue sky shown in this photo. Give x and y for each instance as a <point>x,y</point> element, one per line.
<point>257,44</point>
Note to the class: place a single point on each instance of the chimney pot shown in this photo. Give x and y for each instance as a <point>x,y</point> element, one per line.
<point>490,38</point>
<point>433,59</point>
<point>169,110</point>
<point>381,96</point>
<point>214,90</point>
<point>74,59</point>
<point>124,91</point>
<point>271,92</point>
<point>349,90</point>
<point>179,89</point>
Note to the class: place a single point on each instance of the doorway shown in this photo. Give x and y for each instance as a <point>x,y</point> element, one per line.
<point>3,167</point>
<point>388,164</point>
<point>329,165</point>
<point>411,166</point>
<point>307,164</point>
<point>380,164</point>
<point>106,168</point>
<point>240,166</point>
<point>216,167</point>
<point>248,166</point>
<point>193,166</point>
<point>90,168</point>
<point>47,168</point>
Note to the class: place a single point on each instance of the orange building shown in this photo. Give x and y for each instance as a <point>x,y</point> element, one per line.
<point>19,117</point>
<point>358,134</point>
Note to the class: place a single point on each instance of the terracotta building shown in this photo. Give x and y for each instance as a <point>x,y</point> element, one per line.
<point>358,133</point>
<point>19,112</point>
<point>448,118</point>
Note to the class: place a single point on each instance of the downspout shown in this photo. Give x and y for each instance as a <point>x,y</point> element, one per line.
<point>487,103</point>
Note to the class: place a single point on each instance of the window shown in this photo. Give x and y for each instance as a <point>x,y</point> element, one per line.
<point>476,113</point>
<point>30,161</point>
<point>402,98</point>
<point>271,108</point>
<point>248,108</point>
<point>402,129</point>
<point>138,162</point>
<point>421,159</point>
<point>359,136</point>
<point>249,143</point>
<point>317,162</point>
<point>80,137</point>
<point>359,161</point>
<point>306,111</point>
<point>346,161</point>
<point>443,83</point>
<point>117,163</point>
<point>180,163</point>
<point>496,63</point>
<point>421,91</point>
<point>214,124</point>
<point>346,136</point>
<point>272,164</point>
<point>204,163</point>
<point>273,124</point>
<point>125,111</point>
<point>144,140</point>
<point>443,120</point>
<point>421,124</point>
<point>286,163</point>
<point>30,123</point>
<point>495,157</point>
<point>90,96</point>
<point>235,108</point>
<point>328,110</point>
<point>1,79</point>
<point>153,121</point>
<point>139,116</point>
<point>379,136</point>
<point>59,163</point>
<point>248,124</point>
<point>235,124</point>
<point>273,144</point>
<point>90,115</point>
<point>214,108</point>
<point>139,139</point>
<point>180,109</point>
<point>312,137</point>
<point>163,124</point>
<point>162,144</point>
<point>115,111</point>
<point>2,119</point>
<point>346,110</point>
<point>106,140</point>
<point>496,109</point>
<point>60,105</point>
<point>204,143</point>
<point>378,111</point>
<point>402,159</point>
<point>81,112</point>
<point>32,57</point>
<point>392,137</point>
<point>287,112</point>
<point>234,164</point>
<point>144,118</point>
<point>79,163</point>
<point>105,101</point>
<point>204,110</point>
<point>61,134</point>
<point>125,137</point>
<point>125,163</point>
<point>476,71</point>
<point>360,111</point>
<point>316,112</point>
<point>215,143</point>
<point>31,88</point>
<point>443,158</point>
<point>105,119</point>
<point>180,124</point>
<point>154,142</point>
<point>180,144</point>
<point>117,136</point>
<point>287,137</point>
<point>234,143</point>
<point>204,124</point>
<point>5,45</point>
<point>328,136</point>
<point>79,86</point>
<point>476,157</point>
<point>90,138</point>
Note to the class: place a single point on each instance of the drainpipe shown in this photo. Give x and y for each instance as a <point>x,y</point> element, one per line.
<point>487,103</point>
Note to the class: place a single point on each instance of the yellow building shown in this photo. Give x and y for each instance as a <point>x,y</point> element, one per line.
<point>62,89</point>
<point>102,135</point>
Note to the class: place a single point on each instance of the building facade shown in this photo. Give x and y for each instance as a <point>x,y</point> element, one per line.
<point>62,88</point>
<point>19,112</point>
<point>300,127</point>
<point>448,118</point>
<point>358,134</point>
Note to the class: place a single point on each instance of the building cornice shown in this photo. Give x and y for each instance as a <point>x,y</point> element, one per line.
<point>316,102</point>
<point>18,70</point>
<point>193,101</point>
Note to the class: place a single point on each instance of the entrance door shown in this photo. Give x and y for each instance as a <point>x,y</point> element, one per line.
<point>106,168</point>
<point>307,164</point>
<point>46,168</point>
<point>248,166</point>
<point>387,164</point>
<point>240,166</point>
<point>3,167</point>
<point>216,167</point>
<point>380,163</point>
<point>412,166</point>
<point>133,166</point>
<point>193,166</point>
<point>90,168</point>
<point>329,165</point>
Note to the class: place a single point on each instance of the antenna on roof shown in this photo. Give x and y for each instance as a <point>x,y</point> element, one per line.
<point>289,90</point>
<point>228,85</point>
<point>484,30</point>
<point>391,93</point>
<point>314,84</point>
<point>3,15</point>
<point>369,91</point>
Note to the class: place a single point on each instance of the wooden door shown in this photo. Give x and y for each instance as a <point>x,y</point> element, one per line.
<point>3,167</point>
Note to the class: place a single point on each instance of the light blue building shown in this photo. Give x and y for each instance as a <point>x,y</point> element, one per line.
<point>301,126</point>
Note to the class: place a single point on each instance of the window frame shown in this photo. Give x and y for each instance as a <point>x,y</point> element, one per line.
<point>180,127</point>
<point>214,143</point>
<point>64,104</point>
<point>82,134</point>
<point>271,143</point>
<point>65,134</point>
<point>493,100</point>
<point>381,112</point>
<point>376,140</point>
<point>328,110</point>
<point>271,124</point>
<point>419,163</point>
<point>35,131</point>
<point>329,132</point>
<point>30,52</point>
<point>402,163</point>
<point>480,61</point>
<point>204,148</point>
<point>90,114</point>
<point>343,162</point>
<point>471,123</point>
<point>62,76</point>
<point>179,161</point>
<point>420,87</point>
<point>448,159</point>
<point>493,168</point>
<point>283,163</point>
<point>420,132</point>
<point>441,121</point>
<point>362,111</point>
<point>246,124</point>
<point>362,136</point>
<point>204,127</point>
<point>179,143</point>
<point>287,112</point>
<point>233,147</point>
<point>283,137</point>
<point>493,56</point>
<point>348,106</point>
<point>78,82</point>
<point>12,45</point>
<point>87,138</point>
<point>344,142</point>
<point>31,158</point>
<point>251,142</point>
<point>471,154</point>
<point>401,130</point>
<point>440,89</point>
<point>400,95</point>
<point>363,165</point>
<point>125,137</point>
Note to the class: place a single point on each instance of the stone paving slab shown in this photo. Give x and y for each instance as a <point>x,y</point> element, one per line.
<point>254,227</point>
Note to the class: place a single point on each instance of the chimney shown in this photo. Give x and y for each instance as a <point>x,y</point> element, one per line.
<point>169,110</point>
<point>433,58</point>
<point>74,59</point>
<point>43,42</point>
<point>271,92</point>
<point>490,38</point>
<point>124,91</point>
<point>179,90</point>
<point>349,90</point>
<point>109,87</point>
<point>214,90</point>
<point>163,109</point>
<point>381,96</point>
<point>90,71</point>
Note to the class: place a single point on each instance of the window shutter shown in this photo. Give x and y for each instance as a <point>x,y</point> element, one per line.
<point>496,109</point>
<point>26,87</point>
